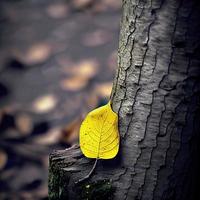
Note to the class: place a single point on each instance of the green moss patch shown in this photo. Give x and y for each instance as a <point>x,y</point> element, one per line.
<point>98,190</point>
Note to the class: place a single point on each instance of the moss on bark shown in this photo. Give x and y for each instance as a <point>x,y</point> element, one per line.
<point>98,190</point>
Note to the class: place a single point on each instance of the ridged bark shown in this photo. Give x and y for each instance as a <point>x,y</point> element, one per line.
<point>156,94</point>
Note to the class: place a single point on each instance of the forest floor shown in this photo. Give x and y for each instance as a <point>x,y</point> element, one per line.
<point>57,62</point>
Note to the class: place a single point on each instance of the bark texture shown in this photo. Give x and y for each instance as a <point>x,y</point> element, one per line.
<point>156,93</point>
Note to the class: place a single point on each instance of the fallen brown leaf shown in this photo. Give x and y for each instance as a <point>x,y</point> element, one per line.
<point>38,53</point>
<point>3,159</point>
<point>73,83</point>
<point>35,54</point>
<point>112,3</point>
<point>80,4</point>
<point>87,68</point>
<point>44,103</point>
<point>71,131</point>
<point>58,10</point>
<point>92,100</point>
<point>104,89</point>
<point>96,38</point>
<point>51,137</point>
<point>24,124</point>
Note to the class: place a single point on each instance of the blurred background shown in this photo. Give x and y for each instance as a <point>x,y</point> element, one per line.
<point>57,62</point>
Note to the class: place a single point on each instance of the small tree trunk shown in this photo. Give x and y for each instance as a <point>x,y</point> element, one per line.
<point>156,95</point>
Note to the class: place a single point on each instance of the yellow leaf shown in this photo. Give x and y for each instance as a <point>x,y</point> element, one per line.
<point>99,136</point>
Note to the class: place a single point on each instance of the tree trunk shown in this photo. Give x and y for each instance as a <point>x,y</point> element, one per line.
<point>156,95</point>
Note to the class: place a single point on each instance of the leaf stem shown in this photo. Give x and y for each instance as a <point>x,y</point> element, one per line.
<point>89,174</point>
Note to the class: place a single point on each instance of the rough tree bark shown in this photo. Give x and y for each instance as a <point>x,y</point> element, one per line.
<point>156,94</point>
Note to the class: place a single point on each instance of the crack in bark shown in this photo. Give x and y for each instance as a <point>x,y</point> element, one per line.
<point>155,63</point>
<point>181,136</point>
<point>127,130</point>
<point>141,145</point>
